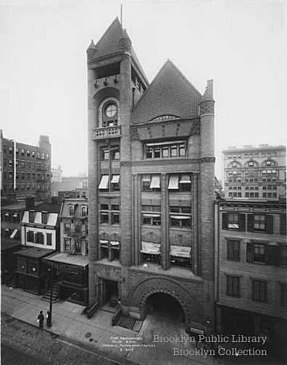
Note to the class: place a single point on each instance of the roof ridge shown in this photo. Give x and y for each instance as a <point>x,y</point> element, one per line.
<point>182,76</point>
<point>108,30</point>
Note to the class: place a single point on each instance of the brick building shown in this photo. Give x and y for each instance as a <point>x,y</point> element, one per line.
<point>251,264</point>
<point>255,172</point>
<point>151,185</point>
<point>70,265</point>
<point>26,169</point>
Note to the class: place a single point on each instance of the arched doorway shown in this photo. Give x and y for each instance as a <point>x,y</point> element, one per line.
<point>165,307</point>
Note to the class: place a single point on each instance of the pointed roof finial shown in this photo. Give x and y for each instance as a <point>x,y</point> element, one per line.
<point>122,14</point>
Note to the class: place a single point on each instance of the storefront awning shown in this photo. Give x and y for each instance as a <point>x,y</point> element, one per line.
<point>180,251</point>
<point>151,215</point>
<point>179,217</point>
<point>155,182</point>
<point>104,184</point>
<point>146,178</point>
<point>173,182</point>
<point>185,179</point>
<point>115,179</point>
<point>14,233</point>
<point>114,243</point>
<point>150,248</point>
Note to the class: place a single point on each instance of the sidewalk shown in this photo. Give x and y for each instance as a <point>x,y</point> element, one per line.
<point>118,343</point>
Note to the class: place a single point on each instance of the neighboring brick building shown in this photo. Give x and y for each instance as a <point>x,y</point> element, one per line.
<point>255,172</point>
<point>39,239</point>
<point>26,169</point>
<point>151,185</point>
<point>70,265</point>
<point>252,269</point>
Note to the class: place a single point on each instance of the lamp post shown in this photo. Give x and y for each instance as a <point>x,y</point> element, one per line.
<point>49,320</point>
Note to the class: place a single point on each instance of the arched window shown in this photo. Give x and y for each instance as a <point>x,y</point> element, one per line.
<point>268,163</point>
<point>251,164</point>
<point>234,165</point>
<point>109,113</point>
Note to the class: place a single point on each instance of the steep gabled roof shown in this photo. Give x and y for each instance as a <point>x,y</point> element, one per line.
<point>170,93</point>
<point>109,43</point>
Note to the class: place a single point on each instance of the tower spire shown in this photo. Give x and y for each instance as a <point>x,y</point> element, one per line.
<point>122,14</point>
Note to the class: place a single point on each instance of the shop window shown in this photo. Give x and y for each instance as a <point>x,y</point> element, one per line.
<point>233,250</point>
<point>232,286</point>
<point>259,290</point>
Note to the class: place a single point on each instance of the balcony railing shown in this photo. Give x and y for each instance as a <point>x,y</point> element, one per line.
<point>109,132</point>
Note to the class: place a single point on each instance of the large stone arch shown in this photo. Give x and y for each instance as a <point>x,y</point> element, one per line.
<point>193,311</point>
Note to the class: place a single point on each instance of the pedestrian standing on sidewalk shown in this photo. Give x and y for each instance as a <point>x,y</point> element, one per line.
<point>48,319</point>
<point>41,319</point>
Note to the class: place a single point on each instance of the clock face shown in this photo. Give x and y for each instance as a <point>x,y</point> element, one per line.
<point>111,110</point>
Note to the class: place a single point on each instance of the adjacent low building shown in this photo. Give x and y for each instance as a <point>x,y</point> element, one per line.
<point>39,239</point>
<point>251,269</point>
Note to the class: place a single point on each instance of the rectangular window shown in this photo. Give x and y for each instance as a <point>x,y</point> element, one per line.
<point>233,221</point>
<point>49,239</point>
<point>233,286</point>
<point>146,179</point>
<point>233,250</point>
<point>151,219</point>
<point>30,236</point>
<point>155,182</point>
<point>115,183</point>
<point>105,154</point>
<point>259,290</point>
<point>115,153</point>
<point>115,218</point>
<point>67,245</point>
<point>258,252</point>
<point>104,217</point>
<point>259,222</point>
<point>165,150</point>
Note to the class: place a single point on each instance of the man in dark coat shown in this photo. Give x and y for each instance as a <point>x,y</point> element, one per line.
<point>41,319</point>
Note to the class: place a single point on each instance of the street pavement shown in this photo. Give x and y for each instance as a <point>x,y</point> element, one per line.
<point>121,345</point>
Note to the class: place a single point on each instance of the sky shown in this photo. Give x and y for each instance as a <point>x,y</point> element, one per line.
<point>241,45</point>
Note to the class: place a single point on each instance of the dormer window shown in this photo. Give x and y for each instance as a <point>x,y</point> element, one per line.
<point>31,216</point>
<point>44,217</point>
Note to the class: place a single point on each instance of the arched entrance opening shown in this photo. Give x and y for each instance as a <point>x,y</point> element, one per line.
<point>164,307</point>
